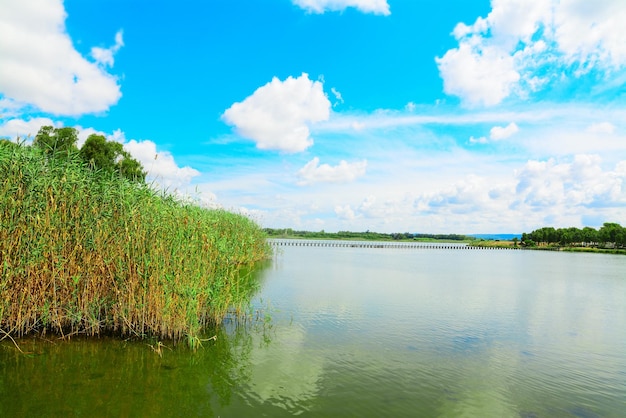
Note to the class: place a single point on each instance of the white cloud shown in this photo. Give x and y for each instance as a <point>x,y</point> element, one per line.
<point>552,185</point>
<point>601,128</point>
<point>479,140</point>
<point>523,45</point>
<point>160,165</point>
<point>162,170</point>
<point>40,67</point>
<point>592,32</point>
<point>277,115</point>
<point>478,74</point>
<point>24,129</point>
<point>105,56</point>
<point>312,172</point>
<point>497,132</point>
<point>365,6</point>
<point>469,195</point>
<point>345,212</point>
<point>337,95</point>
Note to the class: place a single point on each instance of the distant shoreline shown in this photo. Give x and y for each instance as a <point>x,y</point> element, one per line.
<point>469,240</point>
<point>573,249</point>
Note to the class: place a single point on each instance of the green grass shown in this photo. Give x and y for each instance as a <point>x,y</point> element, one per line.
<point>91,253</point>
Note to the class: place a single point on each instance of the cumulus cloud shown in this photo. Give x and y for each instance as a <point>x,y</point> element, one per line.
<point>469,195</point>
<point>523,45</point>
<point>592,33</point>
<point>162,170</point>
<point>277,115</point>
<point>345,212</point>
<point>39,66</point>
<point>24,129</point>
<point>562,191</point>
<point>366,6</point>
<point>498,132</point>
<point>344,172</point>
<point>478,74</point>
<point>160,165</point>
<point>582,182</point>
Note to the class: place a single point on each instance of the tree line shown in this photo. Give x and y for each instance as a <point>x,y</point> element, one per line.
<point>97,153</point>
<point>609,235</point>
<point>367,235</point>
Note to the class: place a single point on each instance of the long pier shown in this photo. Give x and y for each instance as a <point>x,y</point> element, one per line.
<point>379,244</point>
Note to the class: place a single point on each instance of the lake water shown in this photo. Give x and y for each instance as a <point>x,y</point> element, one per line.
<point>366,332</point>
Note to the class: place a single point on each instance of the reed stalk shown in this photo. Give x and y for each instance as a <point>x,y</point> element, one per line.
<point>91,253</point>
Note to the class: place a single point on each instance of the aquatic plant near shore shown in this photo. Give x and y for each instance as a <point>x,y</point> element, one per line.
<point>90,252</point>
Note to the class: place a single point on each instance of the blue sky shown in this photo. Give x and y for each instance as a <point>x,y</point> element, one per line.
<point>421,116</point>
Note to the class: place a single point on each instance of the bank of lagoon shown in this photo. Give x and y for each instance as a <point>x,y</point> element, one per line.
<point>353,331</point>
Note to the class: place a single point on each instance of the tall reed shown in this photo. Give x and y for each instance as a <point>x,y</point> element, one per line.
<point>91,253</point>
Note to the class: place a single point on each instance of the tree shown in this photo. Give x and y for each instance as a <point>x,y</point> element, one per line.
<point>99,153</point>
<point>131,169</point>
<point>611,233</point>
<point>589,235</point>
<point>110,156</point>
<point>58,142</point>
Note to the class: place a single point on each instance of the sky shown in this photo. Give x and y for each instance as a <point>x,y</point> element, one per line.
<point>429,116</point>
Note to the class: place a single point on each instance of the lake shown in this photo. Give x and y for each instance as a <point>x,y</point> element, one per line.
<point>365,332</point>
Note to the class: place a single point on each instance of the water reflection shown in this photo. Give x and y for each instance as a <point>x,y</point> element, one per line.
<point>109,377</point>
<point>358,332</point>
<point>113,377</point>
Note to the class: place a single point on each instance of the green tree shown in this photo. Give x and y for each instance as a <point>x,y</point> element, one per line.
<point>589,235</point>
<point>100,153</point>
<point>59,142</point>
<point>131,169</point>
<point>611,233</point>
<point>110,156</point>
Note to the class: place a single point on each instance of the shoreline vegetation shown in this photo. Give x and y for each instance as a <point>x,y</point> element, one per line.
<point>87,251</point>
<point>610,238</point>
<point>365,236</point>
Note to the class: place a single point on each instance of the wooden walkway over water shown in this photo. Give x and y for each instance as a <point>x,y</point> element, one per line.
<point>380,244</point>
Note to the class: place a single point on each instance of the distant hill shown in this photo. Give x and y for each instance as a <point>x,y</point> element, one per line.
<point>501,237</point>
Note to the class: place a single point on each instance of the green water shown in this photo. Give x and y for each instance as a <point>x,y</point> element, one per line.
<point>365,332</point>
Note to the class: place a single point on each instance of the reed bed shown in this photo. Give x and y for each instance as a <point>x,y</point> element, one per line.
<point>91,253</point>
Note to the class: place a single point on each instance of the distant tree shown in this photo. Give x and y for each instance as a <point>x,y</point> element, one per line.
<point>564,236</point>
<point>589,235</point>
<point>110,156</point>
<point>58,142</point>
<point>612,233</point>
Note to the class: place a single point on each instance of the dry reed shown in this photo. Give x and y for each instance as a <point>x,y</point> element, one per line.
<point>91,253</point>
